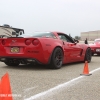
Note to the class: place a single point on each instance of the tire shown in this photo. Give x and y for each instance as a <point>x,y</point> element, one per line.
<point>92,54</point>
<point>88,55</point>
<point>8,63</point>
<point>56,59</point>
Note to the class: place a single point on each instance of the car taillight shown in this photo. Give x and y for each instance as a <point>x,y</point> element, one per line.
<point>3,42</point>
<point>35,42</point>
<point>27,42</point>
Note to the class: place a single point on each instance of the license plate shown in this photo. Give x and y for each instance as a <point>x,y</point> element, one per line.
<point>14,50</point>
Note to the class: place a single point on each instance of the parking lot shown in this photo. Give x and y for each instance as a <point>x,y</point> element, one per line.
<point>49,32</point>
<point>40,83</point>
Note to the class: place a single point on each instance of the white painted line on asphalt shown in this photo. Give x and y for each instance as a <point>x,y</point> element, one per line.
<point>95,70</point>
<point>29,89</point>
<point>48,92</point>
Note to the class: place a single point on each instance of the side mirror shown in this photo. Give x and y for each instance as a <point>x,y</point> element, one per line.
<point>76,41</point>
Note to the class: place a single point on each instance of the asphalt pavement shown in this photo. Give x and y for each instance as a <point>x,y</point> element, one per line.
<point>40,83</point>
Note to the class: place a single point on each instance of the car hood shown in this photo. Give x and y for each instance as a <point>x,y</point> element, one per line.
<point>95,44</point>
<point>92,44</point>
<point>98,43</point>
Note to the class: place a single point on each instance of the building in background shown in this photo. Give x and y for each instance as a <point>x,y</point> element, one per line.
<point>91,35</point>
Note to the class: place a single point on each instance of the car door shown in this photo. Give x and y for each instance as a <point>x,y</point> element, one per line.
<point>72,50</point>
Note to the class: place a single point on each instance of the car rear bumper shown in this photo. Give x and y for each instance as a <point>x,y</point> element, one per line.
<point>21,60</point>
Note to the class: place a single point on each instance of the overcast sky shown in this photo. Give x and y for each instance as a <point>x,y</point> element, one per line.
<point>69,16</point>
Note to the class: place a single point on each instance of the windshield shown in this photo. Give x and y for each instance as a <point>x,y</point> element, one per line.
<point>39,34</point>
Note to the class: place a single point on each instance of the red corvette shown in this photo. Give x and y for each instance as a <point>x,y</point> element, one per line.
<point>95,47</point>
<point>50,48</point>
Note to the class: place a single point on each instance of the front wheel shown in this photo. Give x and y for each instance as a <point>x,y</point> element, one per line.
<point>56,59</point>
<point>88,55</point>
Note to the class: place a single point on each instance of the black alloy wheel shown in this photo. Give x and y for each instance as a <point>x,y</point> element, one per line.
<point>88,55</point>
<point>56,59</point>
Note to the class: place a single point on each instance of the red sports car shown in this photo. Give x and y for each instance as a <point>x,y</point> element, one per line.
<point>49,48</point>
<point>95,47</point>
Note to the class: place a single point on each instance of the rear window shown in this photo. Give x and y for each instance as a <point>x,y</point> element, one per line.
<point>39,34</point>
<point>44,34</point>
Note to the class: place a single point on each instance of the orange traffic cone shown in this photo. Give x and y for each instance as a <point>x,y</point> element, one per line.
<point>5,87</point>
<point>0,92</point>
<point>86,70</point>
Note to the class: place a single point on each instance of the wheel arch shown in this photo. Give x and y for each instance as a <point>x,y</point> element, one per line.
<point>88,48</point>
<point>53,51</point>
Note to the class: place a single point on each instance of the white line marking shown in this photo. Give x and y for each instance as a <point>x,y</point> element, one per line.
<point>57,87</point>
<point>29,89</point>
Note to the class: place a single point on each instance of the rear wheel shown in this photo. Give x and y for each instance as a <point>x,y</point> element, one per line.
<point>12,63</point>
<point>56,59</point>
<point>88,55</point>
